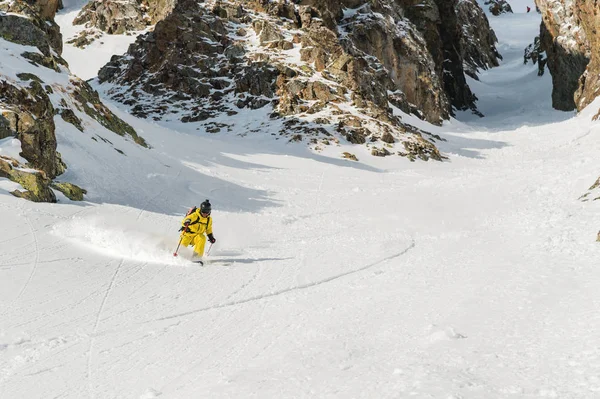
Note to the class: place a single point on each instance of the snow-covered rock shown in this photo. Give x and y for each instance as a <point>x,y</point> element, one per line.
<point>332,70</point>
<point>118,17</point>
<point>567,45</point>
<point>498,7</point>
<point>35,89</point>
<point>478,43</point>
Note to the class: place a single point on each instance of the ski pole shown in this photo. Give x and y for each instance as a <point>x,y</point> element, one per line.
<point>208,252</point>
<point>184,231</point>
<point>175,253</point>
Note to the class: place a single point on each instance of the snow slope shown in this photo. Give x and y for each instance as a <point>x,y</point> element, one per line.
<point>472,278</point>
<point>86,63</point>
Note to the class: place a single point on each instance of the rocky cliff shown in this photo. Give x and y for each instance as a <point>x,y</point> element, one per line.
<point>330,70</point>
<point>35,88</point>
<point>115,17</point>
<point>589,83</point>
<point>478,40</point>
<point>568,36</point>
<point>498,7</point>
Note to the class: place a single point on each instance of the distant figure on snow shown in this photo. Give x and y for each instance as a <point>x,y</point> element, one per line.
<point>196,224</point>
<point>528,9</point>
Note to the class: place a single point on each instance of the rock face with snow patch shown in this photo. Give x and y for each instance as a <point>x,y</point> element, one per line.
<point>498,7</point>
<point>35,88</point>
<point>116,17</point>
<point>23,23</point>
<point>588,16</point>
<point>566,39</point>
<point>330,69</point>
<point>535,54</point>
<point>478,41</point>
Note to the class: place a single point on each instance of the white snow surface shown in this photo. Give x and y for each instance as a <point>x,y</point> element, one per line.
<point>476,277</point>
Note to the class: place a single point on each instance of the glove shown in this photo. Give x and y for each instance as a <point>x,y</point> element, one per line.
<point>185,226</point>
<point>212,239</point>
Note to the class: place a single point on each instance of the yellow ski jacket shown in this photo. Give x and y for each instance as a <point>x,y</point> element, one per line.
<point>198,224</point>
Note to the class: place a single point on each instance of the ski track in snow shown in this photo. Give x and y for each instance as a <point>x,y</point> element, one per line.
<point>36,255</point>
<point>107,294</point>
<point>286,290</point>
<point>95,330</point>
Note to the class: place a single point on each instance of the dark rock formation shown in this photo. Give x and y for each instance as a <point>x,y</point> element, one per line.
<point>450,58</point>
<point>535,54</point>
<point>498,7</point>
<point>478,41</point>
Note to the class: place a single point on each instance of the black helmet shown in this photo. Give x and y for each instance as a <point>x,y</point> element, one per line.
<point>205,207</point>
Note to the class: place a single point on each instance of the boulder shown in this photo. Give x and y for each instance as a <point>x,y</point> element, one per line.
<point>71,191</point>
<point>35,183</point>
<point>498,7</point>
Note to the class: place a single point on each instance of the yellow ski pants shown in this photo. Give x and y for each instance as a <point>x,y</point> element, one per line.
<point>197,240</point>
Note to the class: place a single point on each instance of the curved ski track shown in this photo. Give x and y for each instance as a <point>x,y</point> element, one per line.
<point>286,290</point>
<point>35,262</point>
<point>97,322</point>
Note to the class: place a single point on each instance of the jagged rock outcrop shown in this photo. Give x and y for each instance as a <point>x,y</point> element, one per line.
<point>36,184</point>
<point>178,60</point>
<point>29,103</point>
<point>588,16</point>
<point>425,53</point>
<point>498,7</point>
<point>566,42</point>
<point>478,41</point>
<point>450,58</point>
<point>117,17</point>
<point>48,8</point>
<point>31,117</point>
<point>114,17</point>
<point>205,60</point>
<point>536,55</point>
<point>33,30</point>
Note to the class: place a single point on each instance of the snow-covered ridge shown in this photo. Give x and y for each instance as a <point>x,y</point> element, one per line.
<point>282,59</point>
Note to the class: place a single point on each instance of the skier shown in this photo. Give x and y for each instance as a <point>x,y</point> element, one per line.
<point>196,224</point>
